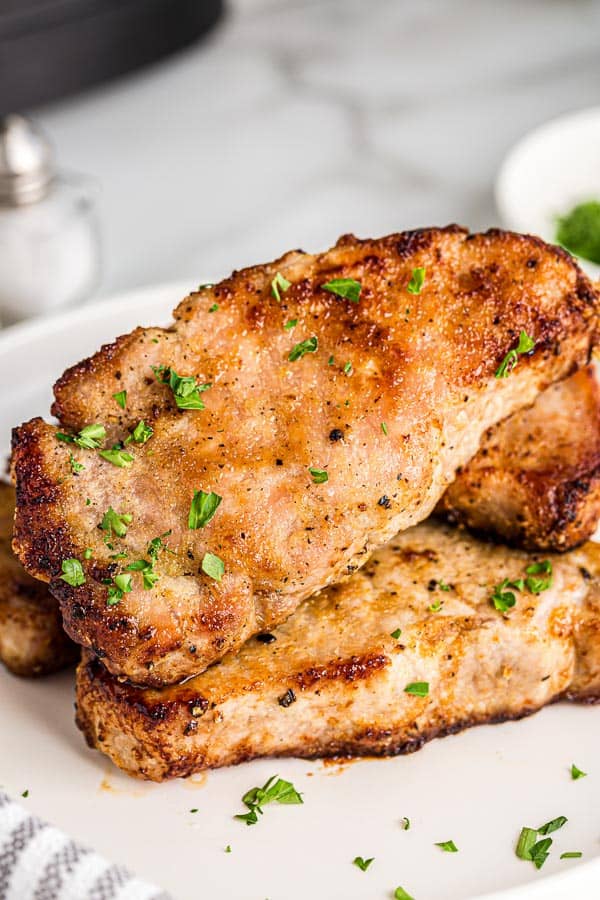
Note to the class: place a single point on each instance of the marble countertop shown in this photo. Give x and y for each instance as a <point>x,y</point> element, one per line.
<point>298,120</point>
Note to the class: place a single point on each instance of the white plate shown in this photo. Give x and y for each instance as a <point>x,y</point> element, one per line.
<point>477,788</point>
<point>548,172</point>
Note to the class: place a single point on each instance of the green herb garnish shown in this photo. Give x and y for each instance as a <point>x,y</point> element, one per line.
<point>76,467</point>
<point>347,288</point>
<point>571,854</point>
<point>228,848</point>
<point>113,522</point>
<point>418,688</point>
<point>87,553</point>
<point>213,566</point>
<point>384,428</point>
<point>319,476</point>
<point>140,434</point>
<point>185,388</point>
<point>502,599</point>
<point>121,585</point>
<point>435,606</point>
<point>25,793</point>
<point>89,438</point>
<point>213,308</point>
<point>276,790</point>
<point>512,357</point>
<point>362,864</point>
<point>447,846</point>
<point>400,894</point>
<point>579,230</point>
<point>537,585</point>
<point>310,345</point>
<point>348,368</point>
<point>577,773</point>
<point>396,634</point>
<point>539,852</point>
<point>72,572</point>
<point>203,508</point>
<point>553,825</point>
<point>117,457</point>
<point>291,324</point>
<point>527,839</point>
<point>121,398</point>
<point>278,284</point>
<point>405,823</point>
<point>417,280</point>
<point>149,576</point>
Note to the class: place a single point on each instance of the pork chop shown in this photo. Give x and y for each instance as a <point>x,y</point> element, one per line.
<point>410,648</point>
<point>536,479</point>
<point>32,640</point>
<point>341,393</point>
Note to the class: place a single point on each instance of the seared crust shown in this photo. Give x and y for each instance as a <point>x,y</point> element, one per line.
<point>423,365</point>
<point>347,674</point>
<point>536,479</point>
<point>32,640</point>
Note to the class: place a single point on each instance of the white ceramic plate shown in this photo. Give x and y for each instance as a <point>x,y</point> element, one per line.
<point>477,788</point>
<point>548,172</point>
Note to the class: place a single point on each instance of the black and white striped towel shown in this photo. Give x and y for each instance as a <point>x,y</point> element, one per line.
<point>39,862</point>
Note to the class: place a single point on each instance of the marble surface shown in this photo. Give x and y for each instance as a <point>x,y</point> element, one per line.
<point>298,120</point>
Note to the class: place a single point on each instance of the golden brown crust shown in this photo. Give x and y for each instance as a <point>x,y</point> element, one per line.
<point>32,640</point>
<point>423,365</point>
<point>331,680</point>
<point>536,479</point>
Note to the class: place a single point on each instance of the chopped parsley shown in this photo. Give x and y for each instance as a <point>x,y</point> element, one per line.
<point>400,894</point>
<point>527,839</point>
<point>347,288</point>
<point>405,823</point>
<point>330,361</point>
<point>319,476</point>
<point>213,566</point>
<point>76,467</point>
<point>121,399</point>
<point>72,572</point>
<point>278,284</point>
<point>121,585</point>
<point>435,606</point>
<point>553,825</point>
<point>89,438</point>
<point>25,793</point>
<point>447,846</point>
<point>362,864</point>
<point>310,345</point>
<point>443,586</point>
<point>213,308</point>
<point>156,545</point>
<point>502,599</point>
<point>291,324</point>
<point>195,810</point>
<point>228,848</point>
<point>417,280</point>
<point>203,508</point>
<point>113,522</point>
<point>579,230</point>
<point>417,688</point>
<point>537,585</point>
<point>396,634</point>
<point>348,368</point>
<point>276,790</point>
<point>577,773</point>
<point>512,357</point>
<point>140,434</point>
<point>185,388</point>
<point>149,576</point>
<point>117,457</point>
<point>571,854</point>
<point>87,553</point>
<point>384,428</point>
<point>539,852</point>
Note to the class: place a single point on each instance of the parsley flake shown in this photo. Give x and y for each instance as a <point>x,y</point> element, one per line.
<point>185,388</point>
<point>571,854</point>
<point>291,324</point>
<point>396,634</point>
<point>25,793</point>
<point>527,839</point>
<point>502,599</point>
<point>213,308</point>
<point>115,522</point>
<point>417,280</point>
<point>447,846</point>
<point>384,428</point>
<point>400,894</point>
<point>347,288</point>
<point>87,553</point>
<point>203,508</point>
<point>89,438</point>
<point>417,688</point>
<point>577,773</point>
<point>228,848</point>
<point>362,864</point>
<point>537,585</point>
<point>278,284</point>
<point>348,368</point>
<point>539,852</point>
<point>319,476</point>
<point>525,345</point>
<point>117,457</point>
<point>276,790</point>
<point>213,566</point>
<point>76,467</point>
<point>553,825</point>
<point>310,345</point>
<point>72,572</point>
<point>405,823</point>
<point>140,434</point>
<point>121,398</point>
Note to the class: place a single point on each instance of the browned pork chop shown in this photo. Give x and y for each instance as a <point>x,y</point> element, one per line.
<point>32,640</point>
<point>334,678</point>
<point>319,457</point>
<point>536,479</point>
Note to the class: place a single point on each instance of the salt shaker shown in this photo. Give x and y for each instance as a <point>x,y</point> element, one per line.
<point>48,231</point>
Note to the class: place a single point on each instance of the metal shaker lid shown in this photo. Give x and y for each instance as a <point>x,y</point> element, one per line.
<point>26,162</point>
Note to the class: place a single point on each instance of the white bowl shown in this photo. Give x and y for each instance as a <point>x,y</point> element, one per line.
<point>548,172</point>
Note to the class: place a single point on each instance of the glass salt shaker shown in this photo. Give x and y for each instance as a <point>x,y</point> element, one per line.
<point>49,256</point>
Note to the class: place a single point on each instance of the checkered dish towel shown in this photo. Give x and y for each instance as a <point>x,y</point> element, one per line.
<point>39,862</point>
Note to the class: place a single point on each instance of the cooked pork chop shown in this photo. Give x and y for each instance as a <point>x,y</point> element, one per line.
<point>331,423</point>
<point>334,677</point>
<point>536,479</point>
<point>32,640</point>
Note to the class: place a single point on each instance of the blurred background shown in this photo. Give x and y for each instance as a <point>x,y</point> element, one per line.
<point>293,121</point>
